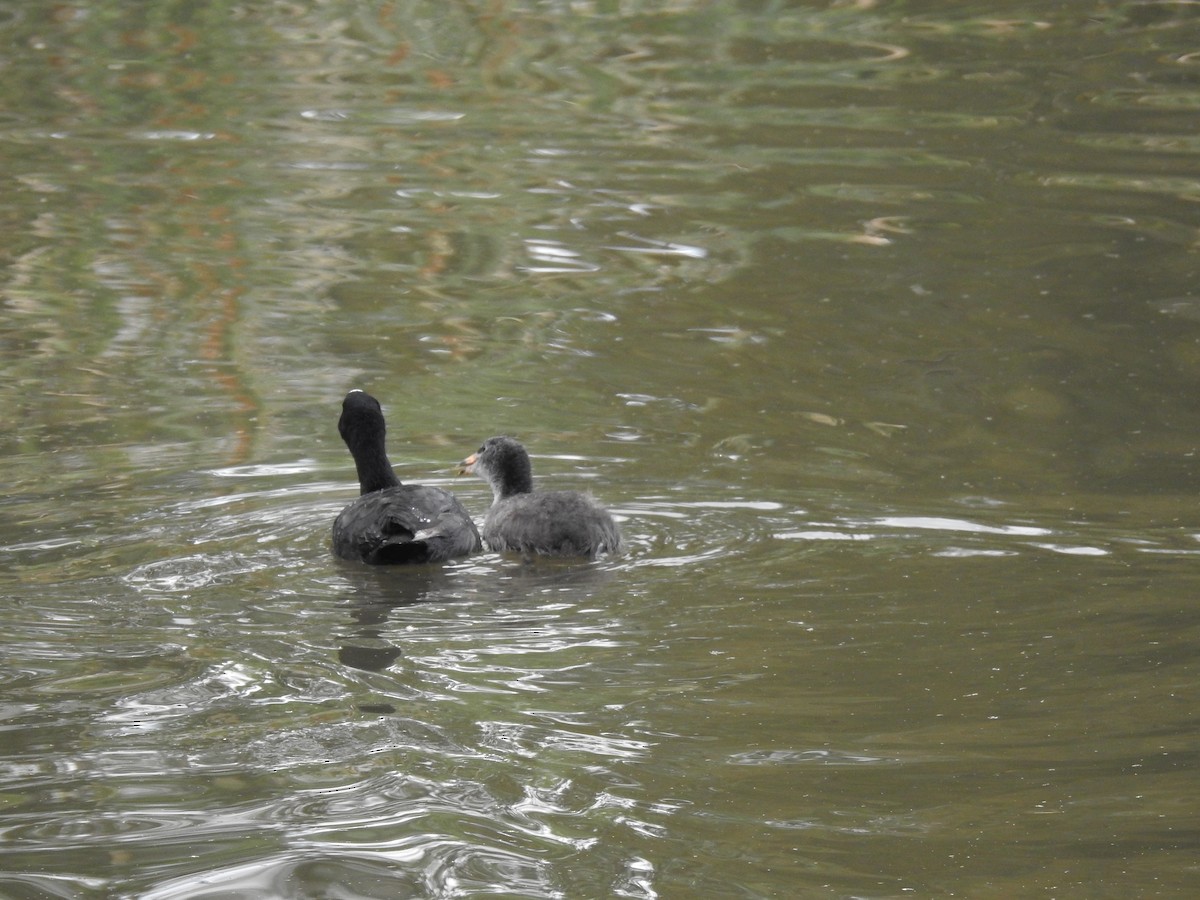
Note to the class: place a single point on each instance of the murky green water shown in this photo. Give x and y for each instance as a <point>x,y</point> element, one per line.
<point>876,322</point>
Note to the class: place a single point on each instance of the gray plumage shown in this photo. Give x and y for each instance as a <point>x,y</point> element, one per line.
<point>547,523</point>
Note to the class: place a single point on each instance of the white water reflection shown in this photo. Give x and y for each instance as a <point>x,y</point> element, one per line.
<point>937,523</point>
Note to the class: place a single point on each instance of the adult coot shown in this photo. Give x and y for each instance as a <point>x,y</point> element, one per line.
<point>529,522</point>
<point>393,522</point>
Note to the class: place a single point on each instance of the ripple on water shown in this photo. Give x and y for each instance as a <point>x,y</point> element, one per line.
<point>194,571</point>
<point>482,770</point>
<point>667,533</point>
<point>424,835</point>
<point>434,866</point>
<point>961,537</point>
<point>118,672</point>
<point>68,887</point>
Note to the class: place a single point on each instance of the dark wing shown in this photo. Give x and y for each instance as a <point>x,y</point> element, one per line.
<point>407,524</point>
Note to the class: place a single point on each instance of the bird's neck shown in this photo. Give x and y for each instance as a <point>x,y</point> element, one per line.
<point>519,482</point>
<point>374,471</point>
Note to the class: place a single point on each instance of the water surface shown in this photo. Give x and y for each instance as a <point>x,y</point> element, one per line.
<point>874,323</point>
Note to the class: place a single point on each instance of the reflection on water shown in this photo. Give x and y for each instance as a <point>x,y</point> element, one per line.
<point>874,324</point>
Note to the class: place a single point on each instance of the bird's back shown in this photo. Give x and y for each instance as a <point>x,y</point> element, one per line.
<point>551,523</point>
<point>405,524</point>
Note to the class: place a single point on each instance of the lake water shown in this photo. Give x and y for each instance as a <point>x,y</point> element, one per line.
<point>876,323</point>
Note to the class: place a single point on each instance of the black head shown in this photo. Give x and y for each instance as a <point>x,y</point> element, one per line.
<point>361,423</point>
<point>362,427</point>
<point>503,463</point>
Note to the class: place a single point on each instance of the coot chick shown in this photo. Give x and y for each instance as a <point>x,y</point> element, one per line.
<point>522,520</point>
<point>391,522</point>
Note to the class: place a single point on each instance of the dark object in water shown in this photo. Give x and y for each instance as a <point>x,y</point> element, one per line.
<point>394,523</point>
